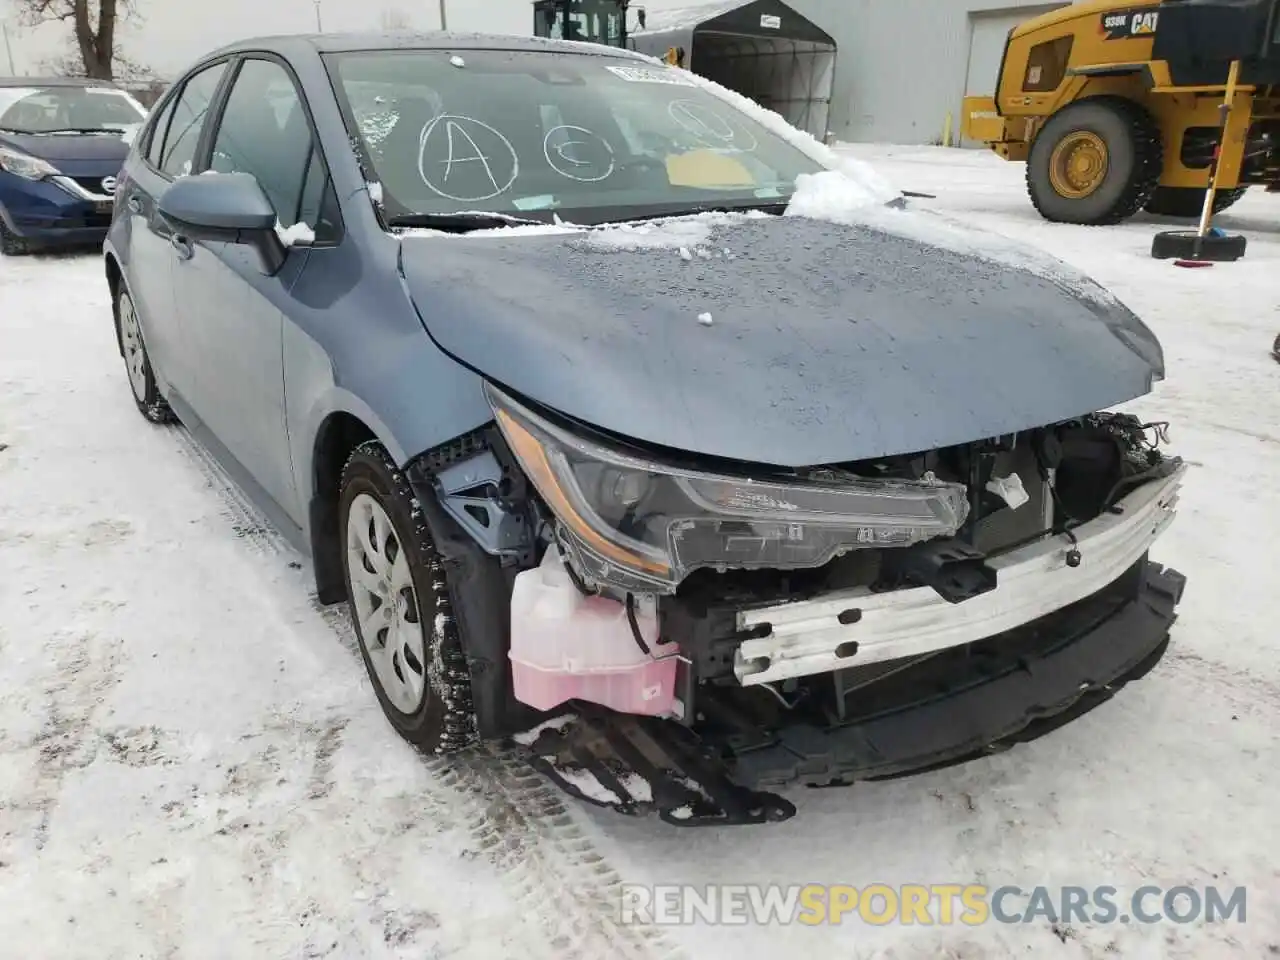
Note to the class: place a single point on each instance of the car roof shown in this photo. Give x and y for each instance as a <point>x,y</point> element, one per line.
<point>434,40</point>
<point>55,82</point>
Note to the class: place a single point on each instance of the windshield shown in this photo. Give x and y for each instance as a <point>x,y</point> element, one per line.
<point>526,133</point>
<point>69,109</point>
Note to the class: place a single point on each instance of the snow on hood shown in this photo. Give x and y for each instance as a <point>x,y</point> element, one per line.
<point>688,236</point>
<point>832,197</point>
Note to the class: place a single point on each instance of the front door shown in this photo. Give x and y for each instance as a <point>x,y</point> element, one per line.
<point>235,311</point>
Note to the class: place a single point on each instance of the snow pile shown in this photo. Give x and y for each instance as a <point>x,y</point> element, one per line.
<point>705,319</point>
<point>830,196</point>
<point>298,235</point>
<point>528,737</point>
<point>548,229</point>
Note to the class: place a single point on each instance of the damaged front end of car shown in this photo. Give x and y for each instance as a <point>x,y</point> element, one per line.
<point>692,635</point>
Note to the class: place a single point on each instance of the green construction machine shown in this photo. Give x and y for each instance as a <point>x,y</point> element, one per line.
<point>589,21</point>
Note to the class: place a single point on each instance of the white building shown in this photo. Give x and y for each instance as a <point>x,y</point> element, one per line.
<point>904,65</point>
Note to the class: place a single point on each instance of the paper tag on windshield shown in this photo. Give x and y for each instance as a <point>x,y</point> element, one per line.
<point>649,75</point>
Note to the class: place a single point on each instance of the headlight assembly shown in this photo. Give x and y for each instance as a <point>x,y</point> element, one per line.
<point>642,526</point>
<point>24,165</point>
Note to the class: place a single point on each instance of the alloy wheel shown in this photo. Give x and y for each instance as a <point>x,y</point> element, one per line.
<point>386,603</point>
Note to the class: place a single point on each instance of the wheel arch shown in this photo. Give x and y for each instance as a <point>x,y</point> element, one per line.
<point>337,435</point>
<point>115,281</point>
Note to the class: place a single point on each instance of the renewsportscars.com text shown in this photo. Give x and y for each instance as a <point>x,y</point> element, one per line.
<point>927,904</point>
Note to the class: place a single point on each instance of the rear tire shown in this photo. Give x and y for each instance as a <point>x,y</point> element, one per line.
<point>401,606</point>
<point>137,363</point>
<point>12,245</point>
<point>1188,202</point>
<point>1095,162</point>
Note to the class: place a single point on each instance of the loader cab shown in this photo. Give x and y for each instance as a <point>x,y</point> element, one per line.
<point>588,21</point>
<point>1200,38</point>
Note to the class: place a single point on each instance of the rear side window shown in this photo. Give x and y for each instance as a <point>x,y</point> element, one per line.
<point>264,131</point>
<point>189,112</point>
<point>1047,65</point>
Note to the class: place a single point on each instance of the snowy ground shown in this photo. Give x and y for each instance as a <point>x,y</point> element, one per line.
<point>192,764</point>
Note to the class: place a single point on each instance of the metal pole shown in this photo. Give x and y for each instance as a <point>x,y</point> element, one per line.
<point>1206,213</point>
<point>319,26</point>
<point>444,16</point>
<point>8,49</point>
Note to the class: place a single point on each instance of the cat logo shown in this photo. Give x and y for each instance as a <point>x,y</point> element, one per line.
<point>1128,24</point>
<point>1144,24</point>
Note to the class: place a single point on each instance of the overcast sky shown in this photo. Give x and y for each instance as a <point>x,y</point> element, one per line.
<point>172,33</point>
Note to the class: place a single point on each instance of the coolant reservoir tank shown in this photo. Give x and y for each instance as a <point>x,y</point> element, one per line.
<point>567,646</point>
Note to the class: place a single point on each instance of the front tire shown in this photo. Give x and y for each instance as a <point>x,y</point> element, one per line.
<point>142,380</point>
<point>1095,162</point>
<point>12,245</point>
<point>400,602</point>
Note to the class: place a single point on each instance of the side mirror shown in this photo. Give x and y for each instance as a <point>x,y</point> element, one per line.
<point>226,208</point>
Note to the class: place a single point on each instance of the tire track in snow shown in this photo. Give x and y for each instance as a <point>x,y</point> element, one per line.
<point>241,515</point>
<point>515,817</point>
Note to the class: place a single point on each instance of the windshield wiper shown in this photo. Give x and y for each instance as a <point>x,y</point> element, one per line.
<point>771,205</point>
<point>112,130</point>
<point>461,222</point>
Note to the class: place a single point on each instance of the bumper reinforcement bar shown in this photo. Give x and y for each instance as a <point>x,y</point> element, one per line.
<point>1008,689</point>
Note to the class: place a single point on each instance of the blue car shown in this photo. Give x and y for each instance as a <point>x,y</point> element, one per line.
<point>62,142</point>
<point>635,426</point>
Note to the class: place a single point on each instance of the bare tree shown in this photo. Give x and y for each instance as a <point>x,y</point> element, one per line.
<point>94,23</point>
<point>395,19</point>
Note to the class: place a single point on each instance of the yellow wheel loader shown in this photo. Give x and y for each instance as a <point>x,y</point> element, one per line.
<point>1117,108</point>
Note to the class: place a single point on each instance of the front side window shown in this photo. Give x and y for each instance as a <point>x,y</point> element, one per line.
<point>189,113</point>
<point>526,133</point>
<point>58,109</point>
<point>264,131</point>
<point>156,146</point>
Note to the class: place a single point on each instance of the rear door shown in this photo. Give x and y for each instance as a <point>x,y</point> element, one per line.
<point>235,312</point>
<point>169,153</point>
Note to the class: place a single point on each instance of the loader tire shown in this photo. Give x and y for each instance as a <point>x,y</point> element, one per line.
<point>1188,202</point>
<point>1095,162</point>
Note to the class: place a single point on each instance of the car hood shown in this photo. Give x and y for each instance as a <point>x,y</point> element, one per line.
<point>101,148</point>
<point>777,340</point>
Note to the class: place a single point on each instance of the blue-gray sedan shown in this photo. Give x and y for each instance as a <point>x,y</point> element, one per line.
<point>616,407</point>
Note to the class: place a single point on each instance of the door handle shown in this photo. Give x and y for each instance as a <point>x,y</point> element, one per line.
<point>183,246</point>
<point>134,205</point>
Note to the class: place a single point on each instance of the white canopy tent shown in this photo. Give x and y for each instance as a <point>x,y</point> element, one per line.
<point>761,49</point>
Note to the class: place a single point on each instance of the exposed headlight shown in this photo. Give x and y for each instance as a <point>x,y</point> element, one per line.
<point>26,166</point>
<point>643,526</point>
